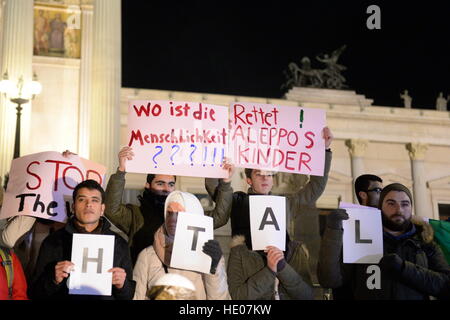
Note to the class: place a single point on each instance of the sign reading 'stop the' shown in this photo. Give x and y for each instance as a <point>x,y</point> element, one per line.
<point>179,138</point>
<point>278,138</point>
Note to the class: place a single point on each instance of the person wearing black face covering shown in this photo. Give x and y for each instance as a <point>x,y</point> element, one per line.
<point>139,223</point>
<point>413,266</point>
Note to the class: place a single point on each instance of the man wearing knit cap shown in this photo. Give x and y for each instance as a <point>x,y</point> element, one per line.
<point>413,266</point>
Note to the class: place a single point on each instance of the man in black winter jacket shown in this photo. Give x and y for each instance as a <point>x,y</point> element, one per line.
<point>53,265</point>
<point>413,266</point>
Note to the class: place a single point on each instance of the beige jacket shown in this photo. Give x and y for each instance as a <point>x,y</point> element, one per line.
<point>149,268</point>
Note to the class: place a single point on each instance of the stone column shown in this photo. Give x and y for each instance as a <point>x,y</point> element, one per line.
<point>357,149</point>
<point>85,80</point>
<point>106,83</point>
<point>421,201</point>
<point>16,57</point>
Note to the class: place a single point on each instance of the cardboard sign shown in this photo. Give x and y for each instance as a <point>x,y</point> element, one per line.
<point>177,138</point>
<point>191,233</point>
<point>271,137</point>
<point>363,236</point>
<point>268,222</point>
<point>41,184</point>
<point>93,257</point>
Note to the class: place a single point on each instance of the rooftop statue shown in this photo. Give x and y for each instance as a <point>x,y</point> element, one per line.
<point>306,76</point>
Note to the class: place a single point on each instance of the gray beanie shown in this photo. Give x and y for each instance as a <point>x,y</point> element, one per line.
<point>394,187</point>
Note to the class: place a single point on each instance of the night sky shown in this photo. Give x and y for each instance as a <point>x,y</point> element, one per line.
<point>243,47</point>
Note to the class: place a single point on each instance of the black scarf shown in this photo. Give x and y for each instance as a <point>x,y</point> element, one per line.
<point>152,203</point>
<point>152,209</point>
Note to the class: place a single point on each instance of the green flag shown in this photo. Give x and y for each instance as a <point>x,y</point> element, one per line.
<point>442,235</point>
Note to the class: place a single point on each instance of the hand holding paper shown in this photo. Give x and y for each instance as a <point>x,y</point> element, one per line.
<point>118,277</point>
<point>334,219</point>
<point>62,270</point>
<point>212,249</point>
<point>274,257</point>
<point>328,136</point>
<point>230,168</point>
<point>126,153</point>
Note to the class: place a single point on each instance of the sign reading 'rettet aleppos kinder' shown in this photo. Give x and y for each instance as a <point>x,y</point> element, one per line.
<point>179,138</point>
<point>41,184</point>
<point>278,138</point>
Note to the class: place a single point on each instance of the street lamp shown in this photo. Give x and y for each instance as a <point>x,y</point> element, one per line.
<point>19,94</point>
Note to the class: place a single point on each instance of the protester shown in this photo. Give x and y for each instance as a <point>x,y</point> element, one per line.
<point>272,274</point>
<point>413,267</point>
<point>54,266</point>
<point>154,261</point>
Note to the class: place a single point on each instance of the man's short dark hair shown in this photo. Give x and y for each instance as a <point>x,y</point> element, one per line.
<point>248,172</point>
<point>152,176</point>
<point>91,185</point>
<point>362,183</point>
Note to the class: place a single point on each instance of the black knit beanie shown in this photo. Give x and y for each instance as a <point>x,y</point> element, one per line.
<point>394,187</point>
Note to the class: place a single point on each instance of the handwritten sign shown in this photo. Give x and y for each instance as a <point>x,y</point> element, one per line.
<point>363,235</point>
<point>268,221</point>
<point>41,184</point>
<point>278,138</point>
<point>179,138</point>
<point>92,256</point>
<point>192,232</point>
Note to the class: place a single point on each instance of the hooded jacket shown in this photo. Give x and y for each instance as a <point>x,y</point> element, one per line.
<point>154,261</point>
<point>140,226</point>
<point>249,278</point>
<point>425,273</point>
<point>58,247</point>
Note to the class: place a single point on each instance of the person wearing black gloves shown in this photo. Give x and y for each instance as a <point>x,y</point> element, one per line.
<point>154,261</point>
<point>413,266</point>
<point>212,248</point>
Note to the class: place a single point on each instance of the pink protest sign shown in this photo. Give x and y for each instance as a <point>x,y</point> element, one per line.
<point>179,138</point>
<point>278,138</point>
<point>41,184</point>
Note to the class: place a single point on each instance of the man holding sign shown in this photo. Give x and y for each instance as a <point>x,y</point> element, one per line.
<point>163,256</point>
<point>38,195</point>
<point>54,266</point>
<point>413,266</point>
<point>277,268</point>
<point>244,285</point>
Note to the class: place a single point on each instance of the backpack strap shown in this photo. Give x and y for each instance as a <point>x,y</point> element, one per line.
<point>7,263</point>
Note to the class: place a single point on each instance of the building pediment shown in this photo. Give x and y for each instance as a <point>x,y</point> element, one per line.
<point>337,177</point>
<point>441,183</point>
<point>389,178</point>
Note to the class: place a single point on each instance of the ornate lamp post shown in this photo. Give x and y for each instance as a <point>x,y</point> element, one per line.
<point>19,93</point>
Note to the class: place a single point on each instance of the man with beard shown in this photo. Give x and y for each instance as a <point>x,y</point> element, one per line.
<point>139,223</point>
<point>413,266</point>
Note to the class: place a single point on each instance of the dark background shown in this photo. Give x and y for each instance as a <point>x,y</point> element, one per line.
<point>243,47</point>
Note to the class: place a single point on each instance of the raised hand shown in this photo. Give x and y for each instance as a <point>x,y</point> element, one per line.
<point>328,136</point>
<point>126,153</point>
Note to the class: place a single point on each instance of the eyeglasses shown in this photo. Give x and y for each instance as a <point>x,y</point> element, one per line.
<point>377,190</point>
